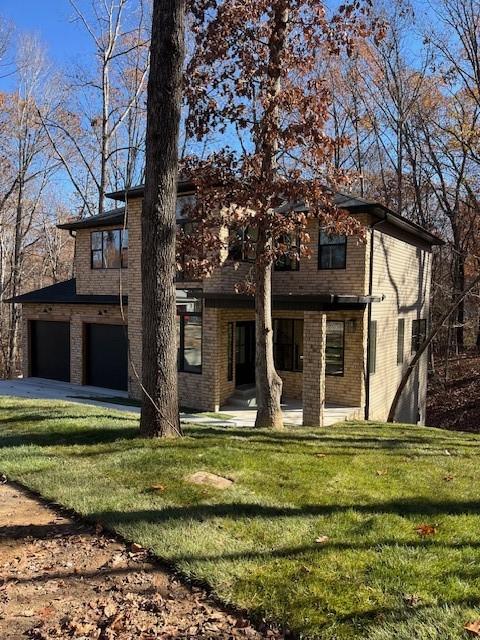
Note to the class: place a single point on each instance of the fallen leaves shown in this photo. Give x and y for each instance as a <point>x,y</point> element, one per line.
<point>322,540</point>
<point>449,477</point>
<point>473,628</point>
<point>382,472</point>
<point>158,487</point>
<point>425,530</point>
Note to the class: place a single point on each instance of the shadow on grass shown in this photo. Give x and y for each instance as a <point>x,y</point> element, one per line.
<point>204,512</point>
<point>87,436</point>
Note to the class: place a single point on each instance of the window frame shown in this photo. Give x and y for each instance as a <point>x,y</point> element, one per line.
<point>181,315</point>
<point>400,341</point>
<point>297,358</point>
<point>342,374</point>
<point>123,248</point>
<point>292,264</point>
<point>336,244</point>
<point>240,244</point>
<point>230,348</point>
<point>415,341</point>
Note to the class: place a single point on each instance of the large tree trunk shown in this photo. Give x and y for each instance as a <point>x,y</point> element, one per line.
<point>160,416</point>
<point>268,382</point>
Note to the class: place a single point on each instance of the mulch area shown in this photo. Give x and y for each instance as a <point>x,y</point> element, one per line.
<point>60,578</point>
<point>454,404</point>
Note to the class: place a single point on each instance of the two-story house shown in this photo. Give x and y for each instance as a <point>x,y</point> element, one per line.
<point>346,320</point>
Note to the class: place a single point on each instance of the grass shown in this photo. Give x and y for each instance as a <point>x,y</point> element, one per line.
<point>366,487</point>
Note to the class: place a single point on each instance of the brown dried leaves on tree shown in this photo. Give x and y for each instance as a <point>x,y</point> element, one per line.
<point>254,79</point>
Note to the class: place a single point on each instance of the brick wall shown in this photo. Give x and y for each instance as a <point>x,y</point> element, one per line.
<point>97,281</point>
<point>77,315</point>
<point>402,273</point>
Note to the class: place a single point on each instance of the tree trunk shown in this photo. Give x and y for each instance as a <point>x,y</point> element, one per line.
<point>160,416</point>
<point>15,280</point>
<point>458,287</point>
<point>268,382</point>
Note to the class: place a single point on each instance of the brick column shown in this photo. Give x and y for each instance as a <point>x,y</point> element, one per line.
<point>135,296</point>
<point>314,341</point>
<point>76,349</point>
<point>211,359</point>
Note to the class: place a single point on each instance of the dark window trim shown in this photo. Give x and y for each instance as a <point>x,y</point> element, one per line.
<point>293,263</point>
<point>240,244</point>
<point>181,346</point>
<point>419,333</point>
<point>230,348</point>
<point>121,230</point>
<point>336,375</point>
<point>293,369</point>
<point>401,341</point>
<point>320,245</point>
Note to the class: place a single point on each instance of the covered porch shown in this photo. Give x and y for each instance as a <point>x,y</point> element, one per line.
<point>320,354</point>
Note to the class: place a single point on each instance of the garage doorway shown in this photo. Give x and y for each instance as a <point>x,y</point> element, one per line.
<point>50,350</point>
<point>106,356</point>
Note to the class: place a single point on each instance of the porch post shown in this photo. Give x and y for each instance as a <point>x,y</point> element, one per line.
<point>314,342</point>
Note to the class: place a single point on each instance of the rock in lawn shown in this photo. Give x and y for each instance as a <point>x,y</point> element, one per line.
<point>210,479</point>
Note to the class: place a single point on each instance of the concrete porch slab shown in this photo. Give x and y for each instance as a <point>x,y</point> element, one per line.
<point>39,388</point>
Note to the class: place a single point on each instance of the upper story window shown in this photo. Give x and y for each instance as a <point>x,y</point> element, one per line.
<point>332,251</point>
<point>242,244</point>
<point>289,261</point>
<point>109,249</point>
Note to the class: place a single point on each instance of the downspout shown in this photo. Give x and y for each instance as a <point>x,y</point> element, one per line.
<point>370,293</point>
<point>73,234</point>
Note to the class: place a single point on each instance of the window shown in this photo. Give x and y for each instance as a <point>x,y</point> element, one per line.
<point>335,348</point>
<point>184,274</point>
<point>109,249</point>
<point>419,333</point>
<point>189,331</point>
<point>400,341</point>
<point>372,347</point>
<point>332,251</point>
<point>288,261</point>
<point>242,244</point>
<point>288,344</point>
<point>230,352</point>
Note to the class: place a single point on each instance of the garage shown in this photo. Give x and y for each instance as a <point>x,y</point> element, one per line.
<point>50,350</point>
<point>106,356</point>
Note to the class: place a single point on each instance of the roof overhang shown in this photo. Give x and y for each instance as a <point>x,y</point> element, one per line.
<point>65,293</point>
<point>323,302</point>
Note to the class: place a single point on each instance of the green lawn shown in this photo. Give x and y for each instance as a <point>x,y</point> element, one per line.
<point>366,487</point>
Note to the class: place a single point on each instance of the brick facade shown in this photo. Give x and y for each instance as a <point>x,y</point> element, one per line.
<point>401,275</point>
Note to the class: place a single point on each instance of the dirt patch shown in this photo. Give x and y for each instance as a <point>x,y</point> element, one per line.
<point>455,403</point>
<point>61,579</point>
<point>210,479</point>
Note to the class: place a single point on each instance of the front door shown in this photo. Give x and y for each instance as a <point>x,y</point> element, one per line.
<point>245,353</point>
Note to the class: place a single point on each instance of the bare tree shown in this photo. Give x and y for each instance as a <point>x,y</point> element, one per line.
<point>99,137</point>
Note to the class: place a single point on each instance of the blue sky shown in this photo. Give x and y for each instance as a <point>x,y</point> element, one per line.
<point>52,21</point>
